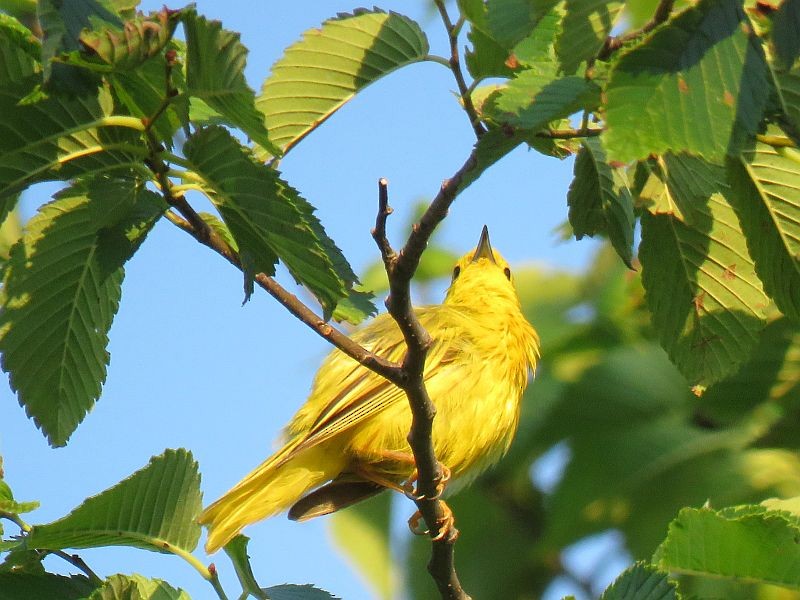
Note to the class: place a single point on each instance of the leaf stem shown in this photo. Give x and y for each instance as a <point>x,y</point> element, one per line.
<point>455,66</point>
<point>119,121</point>
<point>14,518</point>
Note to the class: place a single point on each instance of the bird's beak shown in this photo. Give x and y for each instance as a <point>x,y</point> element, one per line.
<point>484,249</point>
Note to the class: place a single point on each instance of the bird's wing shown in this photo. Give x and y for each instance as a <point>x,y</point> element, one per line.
<point>364,393</point>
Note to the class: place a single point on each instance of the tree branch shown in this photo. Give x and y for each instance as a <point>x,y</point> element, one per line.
<point>612,44</point>
<point>455,66</point>
<point>206,236</point>
<point>78,562</point>
<point>568,134</point>
<point>400,268</point>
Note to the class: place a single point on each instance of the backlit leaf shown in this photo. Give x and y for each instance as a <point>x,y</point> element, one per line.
<point>698,85</point>
<point>326,68</point>
<point>642,582</point>
<point>215,62</point>
<point>706,301</point>
<point>153,509</point>
<point>267,217</point>
<point>747,542</point>
<point>766,182</point>
<point>61,289</point>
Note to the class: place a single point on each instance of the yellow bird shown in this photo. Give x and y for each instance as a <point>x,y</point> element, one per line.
<point>348,441</point>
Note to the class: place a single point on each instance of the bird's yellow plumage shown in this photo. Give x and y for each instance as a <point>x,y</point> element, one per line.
<point>348,441</point>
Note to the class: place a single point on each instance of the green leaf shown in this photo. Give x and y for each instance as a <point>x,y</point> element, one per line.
<point>537,50</point>
<point>509,21</point>
<point>236,550</point>
<point>642,582</point>
<point>766,185</point>
<point>61,289</point>
<point>786,32</point>
<point>769,376</point>
<point>531,100</point>
<point>697,85</point>
<point>486,58</point>
<point>136,587</point>
<point>789,86</point>
<point>215,65</point>
<point>11,506</point>
<point>586,26</point>
<point>748,542</point>
<point>329,65</point>
<point>362,533</point>
<point>153,509</point>
<point>290,591</point>
<point>355,307</point>
<point>267,217</point>
<point>701,287</point>
<point>22,586</point>
<point>10,229</point>
<point>60,138</point>
<point>600,201</point>
<point>19,51</point>
<point>62,24</point>
<point>126,46</point>
<point>142,91</point>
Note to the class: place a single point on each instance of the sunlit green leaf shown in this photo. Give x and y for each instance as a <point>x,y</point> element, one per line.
<point>707,303</point>
<point>642,582</point>
<point>531,100</point>
<point>136,587</point>
<point>766,186</point>
<point>215,65</point>
<point>509,21</point>
<point>153,509</point>
<point>698,85</point>
<point>59,138</point>
<point>19,51</point>
<point>61,289</point>
<point>329,65</point>
<point>586,26</point>
<point>748,542</point>
<point>267,217</point>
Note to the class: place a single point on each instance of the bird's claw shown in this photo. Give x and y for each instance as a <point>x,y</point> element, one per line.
<point>445,525</point>
<point>441,483</point>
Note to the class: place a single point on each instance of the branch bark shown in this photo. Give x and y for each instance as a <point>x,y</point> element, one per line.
<point>455,66</point>
<point>400,268</point>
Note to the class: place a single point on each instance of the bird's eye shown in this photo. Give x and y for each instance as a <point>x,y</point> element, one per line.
<point>456,272</point>
<point>507,272</point>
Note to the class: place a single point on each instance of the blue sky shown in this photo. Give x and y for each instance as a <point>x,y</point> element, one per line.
<point>192,368</point>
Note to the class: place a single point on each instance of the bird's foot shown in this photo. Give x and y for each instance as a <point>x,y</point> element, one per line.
<point>445,525</point>
<point>441,483</point>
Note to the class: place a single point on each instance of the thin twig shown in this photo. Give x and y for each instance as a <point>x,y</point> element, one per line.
<point>400,269</point>
<point>455,67</point>
<point>612,44</point>
<point>206,236</point>
<point>568,134</point>
<point>79,563</point>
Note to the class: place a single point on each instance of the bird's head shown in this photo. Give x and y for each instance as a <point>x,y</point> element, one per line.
<point>481,274</point>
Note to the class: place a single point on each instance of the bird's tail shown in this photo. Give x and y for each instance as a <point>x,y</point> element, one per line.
<point>272,487</point>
